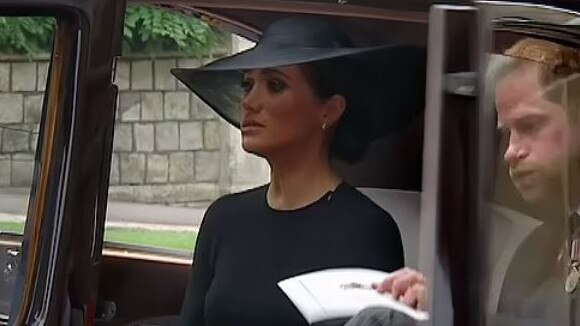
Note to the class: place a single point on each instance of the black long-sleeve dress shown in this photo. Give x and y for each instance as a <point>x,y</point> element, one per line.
<point>245,248</point>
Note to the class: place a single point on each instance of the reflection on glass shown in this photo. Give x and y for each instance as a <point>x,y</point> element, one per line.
<point>536,93</point>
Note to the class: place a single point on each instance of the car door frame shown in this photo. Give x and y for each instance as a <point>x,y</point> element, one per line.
<point>65,221</point>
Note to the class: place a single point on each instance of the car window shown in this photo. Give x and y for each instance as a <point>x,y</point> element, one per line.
<point>25,55</point>
<point>172,155</point>
<point>532,87</point>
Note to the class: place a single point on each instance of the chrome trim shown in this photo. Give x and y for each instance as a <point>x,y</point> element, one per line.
<point>302,8</point>
<point>431,152</point>
<point>57,230</point>
<point>540,12</point>
<point>439,303</point>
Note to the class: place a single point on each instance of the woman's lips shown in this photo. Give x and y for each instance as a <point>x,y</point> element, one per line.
<point>251,126</point>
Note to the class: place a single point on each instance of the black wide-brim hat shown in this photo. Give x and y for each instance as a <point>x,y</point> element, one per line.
<point>393,75</point>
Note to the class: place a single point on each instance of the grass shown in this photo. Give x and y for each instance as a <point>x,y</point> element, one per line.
<point>15,227</point>
<point>179,240</point>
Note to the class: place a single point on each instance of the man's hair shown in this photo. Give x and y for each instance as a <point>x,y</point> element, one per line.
<point>558,67</point>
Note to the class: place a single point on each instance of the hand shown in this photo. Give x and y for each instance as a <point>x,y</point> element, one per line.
<point>406,285</point>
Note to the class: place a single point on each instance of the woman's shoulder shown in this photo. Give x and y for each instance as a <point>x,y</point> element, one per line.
<point>351,196</point>
<point>353,201</point>
<point>226,209</point>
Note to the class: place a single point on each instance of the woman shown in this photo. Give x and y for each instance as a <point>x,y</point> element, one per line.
<point>304,102</point>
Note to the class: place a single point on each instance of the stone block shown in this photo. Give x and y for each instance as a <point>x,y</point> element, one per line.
<point>166,194</point>
<point>5,170</point>
<point>4,77</point>
<point>166,136</point>
<point>207,166</point>
<point>117,113</point>
<point>11,108</point>
<point>208,60</point>
<point>114,171</point>
<point>23,157</point>
<point>190,135</point>
<point>200,110</point>
<point>33,108</point>
<point>24,76</point>
<point>22,170</point>
<point>196,192</point>
<point>181,167</point>
<point>157,168</point>
<point>164,80</point>
<point>33,141</point>
<point>15,140</point>
<point>151,106</point>
<point>123,75</point>
<point>188,63</point>
<point>42,76</point>
<point>211,134</point>
<point>130,106</point>
<point>123,139</point>
<point>141,75</point>
<point>122,193</point>
<point>177,106</point>
<point>132,168</point>
<point>144,137</point>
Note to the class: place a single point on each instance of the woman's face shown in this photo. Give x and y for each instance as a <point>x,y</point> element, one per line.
<point>281,113</point>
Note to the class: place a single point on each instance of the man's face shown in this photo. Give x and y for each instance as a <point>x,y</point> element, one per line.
<point>538,134</point>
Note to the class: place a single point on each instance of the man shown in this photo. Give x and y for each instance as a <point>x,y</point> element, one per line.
<point>537,97</point>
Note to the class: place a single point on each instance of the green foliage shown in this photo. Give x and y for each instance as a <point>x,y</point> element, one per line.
<point>151,30</point>
<point>147,30</point>
<point>26,35</point>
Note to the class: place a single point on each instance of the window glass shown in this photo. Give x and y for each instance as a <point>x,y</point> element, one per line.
<point>172,155</point>
<point>534,87</point>
<point>25,47</point>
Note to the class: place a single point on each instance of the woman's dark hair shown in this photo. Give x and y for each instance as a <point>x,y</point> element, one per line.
<point>340,76</point>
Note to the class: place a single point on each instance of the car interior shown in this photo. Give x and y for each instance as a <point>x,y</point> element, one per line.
<point>145,286</point>
<point>390,174</point>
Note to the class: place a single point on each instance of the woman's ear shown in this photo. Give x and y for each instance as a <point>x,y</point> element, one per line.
<point>334,109</point>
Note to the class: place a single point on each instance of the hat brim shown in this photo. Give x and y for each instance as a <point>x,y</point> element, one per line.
<point>394,89</point>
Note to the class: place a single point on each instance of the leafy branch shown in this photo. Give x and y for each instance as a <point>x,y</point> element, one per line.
<point>151,30</point>
<point>26,35</point>
<point>147,30</point>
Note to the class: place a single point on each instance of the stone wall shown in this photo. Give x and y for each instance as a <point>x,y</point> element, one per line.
<point>21,90</point>
<point>169,147</point>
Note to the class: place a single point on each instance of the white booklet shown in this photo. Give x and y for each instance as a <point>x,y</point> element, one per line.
<point>340,293</point>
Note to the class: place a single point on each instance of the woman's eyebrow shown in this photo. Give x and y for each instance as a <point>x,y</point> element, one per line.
<point>274,71</point>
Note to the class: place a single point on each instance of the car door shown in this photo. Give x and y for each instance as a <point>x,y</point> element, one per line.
<point>56,131</point>
<point>525,230</point>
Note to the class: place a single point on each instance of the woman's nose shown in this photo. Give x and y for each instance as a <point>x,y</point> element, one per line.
<point>251,100</point>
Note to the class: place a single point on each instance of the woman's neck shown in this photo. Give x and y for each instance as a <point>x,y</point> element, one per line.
<point>299,181</point>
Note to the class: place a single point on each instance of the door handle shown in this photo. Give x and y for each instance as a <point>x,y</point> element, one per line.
<point>12,264</point>
<point>13,252</point>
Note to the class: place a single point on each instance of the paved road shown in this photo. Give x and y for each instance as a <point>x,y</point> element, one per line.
<point>14,202</point>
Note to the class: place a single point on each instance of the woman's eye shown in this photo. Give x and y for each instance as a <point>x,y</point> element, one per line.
<point>247,85</point>
<point>276,85</point>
